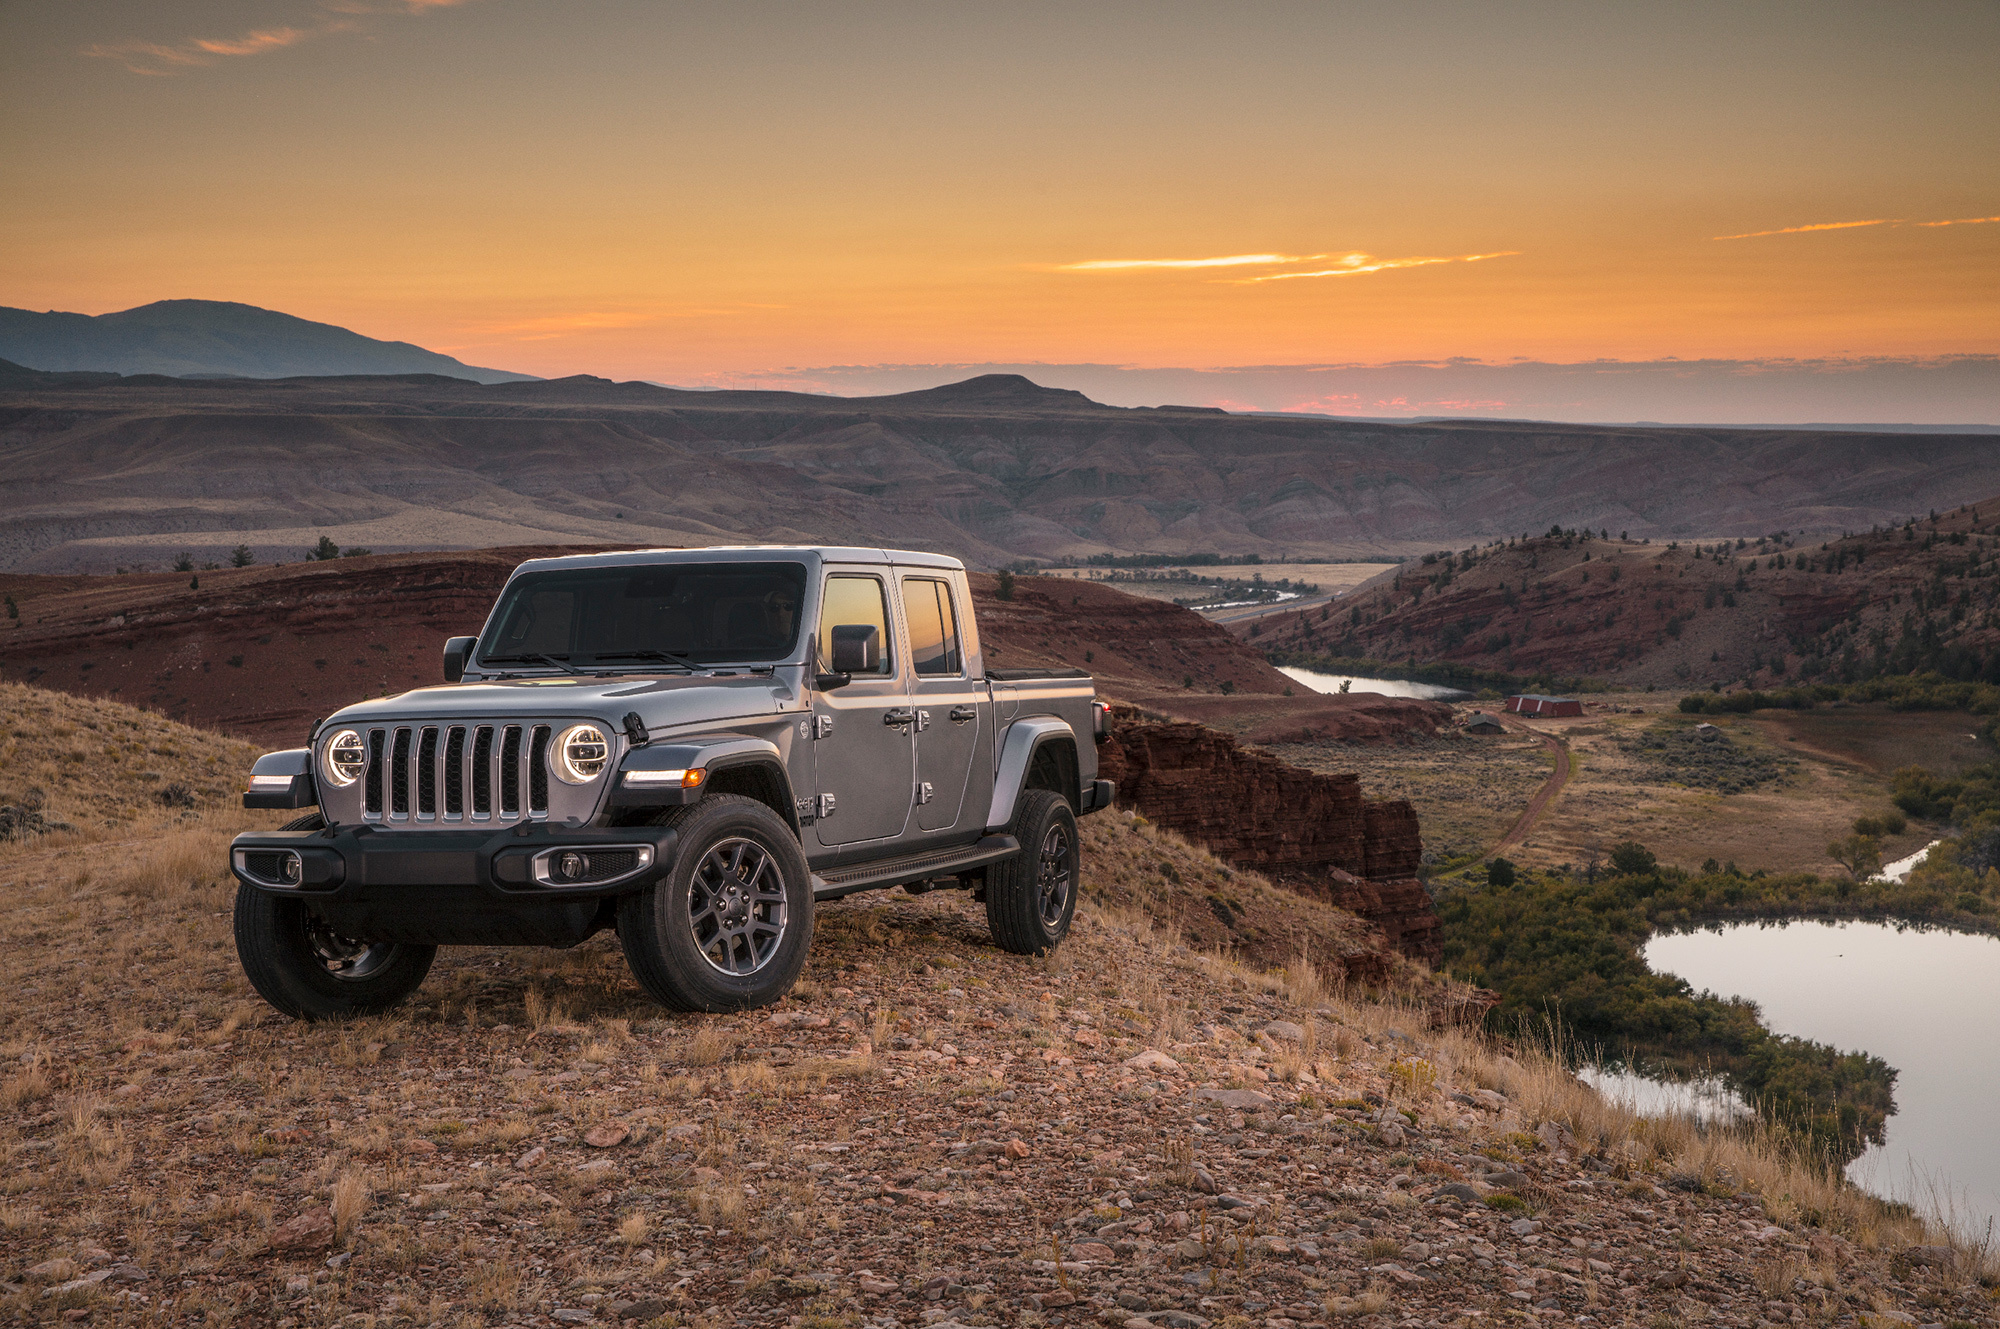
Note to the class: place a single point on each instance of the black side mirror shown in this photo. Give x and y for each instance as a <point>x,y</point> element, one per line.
<point>857,648</point>
<point>457,650</point>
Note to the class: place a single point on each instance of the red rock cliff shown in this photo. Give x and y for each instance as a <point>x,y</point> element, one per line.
<point>1313,833</point>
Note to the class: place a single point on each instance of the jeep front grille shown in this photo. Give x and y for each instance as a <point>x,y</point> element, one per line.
<point>427,774</point>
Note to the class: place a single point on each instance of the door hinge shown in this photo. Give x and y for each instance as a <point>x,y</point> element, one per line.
<point>805,808</point>
<point>923,721</point>
<point>924,791</point>
<point>822,725</point>
<point>827,803</point>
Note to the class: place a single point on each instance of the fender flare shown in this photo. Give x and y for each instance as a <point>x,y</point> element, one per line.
<point>283,780</point>
<point>709,752</point>
<point>1017,757</point>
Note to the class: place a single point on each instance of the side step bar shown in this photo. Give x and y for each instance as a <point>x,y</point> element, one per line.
<point>913,867</point>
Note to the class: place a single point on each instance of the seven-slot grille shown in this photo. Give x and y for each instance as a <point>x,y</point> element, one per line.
<point>456,772</point>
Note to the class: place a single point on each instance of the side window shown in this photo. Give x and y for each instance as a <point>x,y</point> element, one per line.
<point>856,599</point>
<point>933,627</point>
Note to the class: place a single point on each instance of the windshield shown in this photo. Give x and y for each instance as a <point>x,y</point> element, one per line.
<point>672,615</point>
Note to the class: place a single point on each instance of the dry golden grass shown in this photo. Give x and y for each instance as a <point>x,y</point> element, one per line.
<point>139,987</point>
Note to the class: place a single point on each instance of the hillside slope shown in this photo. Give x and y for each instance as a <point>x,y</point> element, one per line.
<point>927,1130</point>
<point>263,651</point>
<point>996,469</point>
<point>1923,595</point>
<point>213,337</point>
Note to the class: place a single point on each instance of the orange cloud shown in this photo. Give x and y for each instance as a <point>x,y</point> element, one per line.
<point>252,43</point>
<point>1354,265</point>
<point>1349,264</point>
<point>154,58</point>
<point>1962,221</point>
<point>1228,261</point>
<point>1817,226</point>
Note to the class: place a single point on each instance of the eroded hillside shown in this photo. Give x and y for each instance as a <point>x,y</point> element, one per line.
<point>1914,596</point>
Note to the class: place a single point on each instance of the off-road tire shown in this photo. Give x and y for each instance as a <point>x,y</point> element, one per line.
<point>1031,897</point>
<point>702,939</point>
<point>276,939</point>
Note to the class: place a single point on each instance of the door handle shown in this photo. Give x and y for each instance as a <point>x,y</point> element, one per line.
<point>960,714</point>
<point>899,716</point>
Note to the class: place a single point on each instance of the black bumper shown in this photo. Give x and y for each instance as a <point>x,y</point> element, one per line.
<point>552,886</point>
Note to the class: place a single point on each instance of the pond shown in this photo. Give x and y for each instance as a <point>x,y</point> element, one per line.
<point>1387,687</point>
<point>1926,1001</point>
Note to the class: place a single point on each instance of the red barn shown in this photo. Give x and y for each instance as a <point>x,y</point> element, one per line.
<point>1529,703</point>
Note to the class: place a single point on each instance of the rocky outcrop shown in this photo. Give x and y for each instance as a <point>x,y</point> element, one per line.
<point>1310,832</point>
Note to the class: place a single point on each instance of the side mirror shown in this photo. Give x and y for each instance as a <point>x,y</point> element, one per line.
<point>457,650</point>
<point>857,648</point>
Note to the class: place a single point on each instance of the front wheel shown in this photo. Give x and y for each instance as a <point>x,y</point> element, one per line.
<point>1031,897</point>
<point>729,927</point>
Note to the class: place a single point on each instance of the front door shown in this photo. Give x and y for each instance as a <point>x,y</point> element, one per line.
<point>950,707</point>
<point>864,754</point>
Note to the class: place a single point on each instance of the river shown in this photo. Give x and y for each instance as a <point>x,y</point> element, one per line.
<point>1926,1001</point>
<point>1387,687</point>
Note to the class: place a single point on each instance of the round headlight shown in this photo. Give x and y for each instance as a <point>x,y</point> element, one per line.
<point>346,758</point>
<point>580,754</point>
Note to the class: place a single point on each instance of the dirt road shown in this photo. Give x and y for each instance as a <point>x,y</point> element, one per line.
<point>1543,796</point>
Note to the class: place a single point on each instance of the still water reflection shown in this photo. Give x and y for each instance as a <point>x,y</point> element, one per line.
<point>1387,687</point>
<point>1927,1002</point>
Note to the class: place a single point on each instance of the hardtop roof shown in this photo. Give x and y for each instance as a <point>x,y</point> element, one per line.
<point>746,554</point>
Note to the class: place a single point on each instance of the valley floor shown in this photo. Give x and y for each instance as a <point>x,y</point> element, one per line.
<point>1836,764</point>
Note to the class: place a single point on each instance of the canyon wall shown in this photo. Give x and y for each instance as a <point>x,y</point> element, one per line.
<point>1313,833</point>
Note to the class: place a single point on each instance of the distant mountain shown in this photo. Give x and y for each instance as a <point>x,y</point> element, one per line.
<point>183,338</point>
<point>99,471</point>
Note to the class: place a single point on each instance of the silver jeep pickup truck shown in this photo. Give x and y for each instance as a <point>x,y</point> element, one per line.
<point>693,747</point>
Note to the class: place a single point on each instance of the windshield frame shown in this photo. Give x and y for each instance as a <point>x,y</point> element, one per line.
<point>492,655</point>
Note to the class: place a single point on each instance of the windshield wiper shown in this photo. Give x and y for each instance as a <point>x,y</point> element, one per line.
<point>665,657</point>
<point>554,662</point>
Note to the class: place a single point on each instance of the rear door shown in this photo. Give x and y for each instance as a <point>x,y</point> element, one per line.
<point>864,755</point>
<point>951,709</point>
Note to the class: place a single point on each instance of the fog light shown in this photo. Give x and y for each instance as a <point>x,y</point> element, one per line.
<point>290,870</point>
<point>572,866</point>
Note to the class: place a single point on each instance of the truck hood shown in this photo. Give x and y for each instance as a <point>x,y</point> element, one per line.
<point>663,702</point>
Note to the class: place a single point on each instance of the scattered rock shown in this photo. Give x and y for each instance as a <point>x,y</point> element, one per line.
<point>1285,1030</point>
<point>606,1136</point>
<point>1152,1059</point>
<point>1018,1149</point>
<point>1239,1099</point>
<point>312,1228</point>
<point>531,1158</point>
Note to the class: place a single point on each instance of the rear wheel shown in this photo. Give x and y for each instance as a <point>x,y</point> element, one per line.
<point>306,969</point>
<point>1031,897</point>
<point>729,927</point>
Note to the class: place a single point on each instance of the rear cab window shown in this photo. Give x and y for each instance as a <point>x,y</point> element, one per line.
<point>934,645</point>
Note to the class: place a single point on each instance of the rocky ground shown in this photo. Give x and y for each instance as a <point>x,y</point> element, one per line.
<point>928,1132</point>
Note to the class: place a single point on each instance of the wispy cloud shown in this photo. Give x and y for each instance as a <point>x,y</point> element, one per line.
<point>1816,226</point>
<point>1962,221</point>
<point>159,59</point>
<point>1345,265</point>
<point>1227,261</point>
<point>1355,265</point>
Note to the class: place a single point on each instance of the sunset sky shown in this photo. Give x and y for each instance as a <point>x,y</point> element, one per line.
<point>741,192</point>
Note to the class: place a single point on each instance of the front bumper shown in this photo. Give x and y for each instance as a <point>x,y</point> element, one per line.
<point>548,886</point>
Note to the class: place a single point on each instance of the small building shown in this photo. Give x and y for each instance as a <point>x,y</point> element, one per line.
<point>1531,703</point>
<point>1479,722</point>
<point>1707,732</point>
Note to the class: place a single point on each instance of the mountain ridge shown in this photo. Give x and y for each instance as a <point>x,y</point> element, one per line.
<point>104,472</point>
<point>205,338</point>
